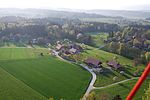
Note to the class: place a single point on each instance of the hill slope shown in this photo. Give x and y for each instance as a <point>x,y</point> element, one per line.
<point>47,75</point>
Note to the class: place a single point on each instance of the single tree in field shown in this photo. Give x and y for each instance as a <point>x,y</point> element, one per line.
<point>51,98</point>
<point>147,56</point>
<point>136,62</point>
<point>91,96</point>
<point>105,96</point>
<point>117,97</point>
<point>115,58</point>
<point>143,59</point>
<point>41,54</point>
<point>111,35</point>
<point>115,78</point>
<point>147,94</point>
<point>122,49</point>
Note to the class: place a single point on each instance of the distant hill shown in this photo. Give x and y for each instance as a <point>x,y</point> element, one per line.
<point>42,13</point>
<point>141,13</point>
<point>72,13</point>
<point>148,18</point>
<point>122,13</point>
<point>142,7</point>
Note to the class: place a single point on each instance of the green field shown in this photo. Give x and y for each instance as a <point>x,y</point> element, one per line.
<point>122,89</point>
<point>20,53</point>
<point>106,78</point>
<point>11,44</point>
<point>14,89</point>
<point>34,77</point>
<point>98,38</point>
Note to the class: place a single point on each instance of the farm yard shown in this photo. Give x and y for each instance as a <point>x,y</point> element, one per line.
<point>105,78</point>
<point>109,76</point>
<point>26,74</point>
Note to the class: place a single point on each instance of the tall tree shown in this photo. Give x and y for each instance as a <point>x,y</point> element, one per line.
<point>147,94</point>
<point>147,56</point>
<point>117,97</point>
<point>91,96</point>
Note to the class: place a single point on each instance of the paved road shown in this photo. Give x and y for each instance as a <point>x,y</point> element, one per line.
<point>90,87</point>
<point>91,83</point>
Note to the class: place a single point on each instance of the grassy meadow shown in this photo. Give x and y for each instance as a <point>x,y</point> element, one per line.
<point>98,39</point>
<point>40,77</point>
<point>13,89</point>
<point>21,53</point>
<point>106,78</point>
<point>122,89</point>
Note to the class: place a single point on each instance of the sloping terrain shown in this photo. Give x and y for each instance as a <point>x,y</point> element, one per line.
<point>46,75</point>
<point>13,89</point>
<point>122,89</point>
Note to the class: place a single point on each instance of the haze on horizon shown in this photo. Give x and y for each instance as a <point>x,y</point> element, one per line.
<point>77,4</point>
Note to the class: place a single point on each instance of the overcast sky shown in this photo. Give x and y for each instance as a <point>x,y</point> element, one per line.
<point>75,4</point>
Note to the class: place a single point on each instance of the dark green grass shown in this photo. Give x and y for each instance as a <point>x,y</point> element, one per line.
<point>13,89</point>
<point>105,56</point>
<point>123,90</point>
<point>47,75</point>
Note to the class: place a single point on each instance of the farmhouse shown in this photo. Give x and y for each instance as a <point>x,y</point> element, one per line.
<point>68,49</point>
<point>73,51</point>
<point>58,47</point>
<point>67,52</point>
<point>77,47</point>
<point>79,35</point>
<point>92,62</point>
<point>115,65</point>
<point>34,41</point>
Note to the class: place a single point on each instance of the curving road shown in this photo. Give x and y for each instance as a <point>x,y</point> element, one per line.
<point>91,84</point>
<point>91,87</point>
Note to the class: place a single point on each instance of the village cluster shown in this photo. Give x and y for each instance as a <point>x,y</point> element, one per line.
<point>65,49</point>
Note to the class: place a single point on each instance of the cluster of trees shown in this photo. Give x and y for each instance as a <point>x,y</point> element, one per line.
<point>122,49</point>
<point>131,42</point>
<point>49,30</point>
<point>99,27</point>
<point>92,96</point>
